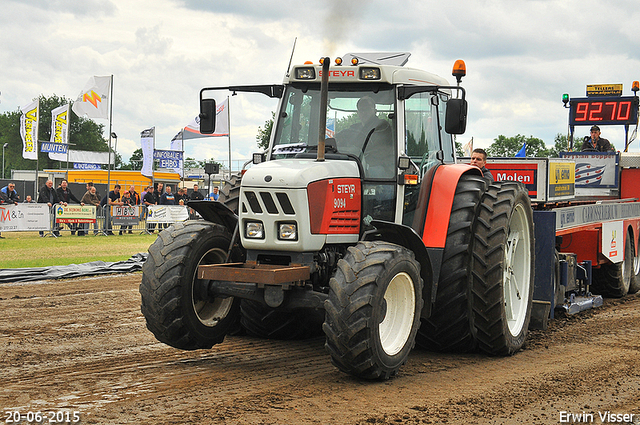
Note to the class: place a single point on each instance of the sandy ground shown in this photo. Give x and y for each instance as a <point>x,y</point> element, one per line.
<point>81,346</point>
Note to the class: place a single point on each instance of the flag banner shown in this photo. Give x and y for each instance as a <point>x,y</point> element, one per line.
<point>467,149</point>
<point>86,166</point>
<point>147,141</point>
<point>94,99</point>
<point>29,130</point>
<point>192,130</point>
<point>331,128</point>
<point>522,152</point>
<point>60,124</point>
<point>82,156</point>
<point>177,146</point>
<point>54,147</point>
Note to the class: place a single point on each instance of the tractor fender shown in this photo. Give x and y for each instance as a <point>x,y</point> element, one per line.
<point>216,212</point>
<point>443,190</point>
<point>405,236</point>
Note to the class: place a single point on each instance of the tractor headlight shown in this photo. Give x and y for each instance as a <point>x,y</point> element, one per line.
<point>254,230</point>
<point>288,231</point>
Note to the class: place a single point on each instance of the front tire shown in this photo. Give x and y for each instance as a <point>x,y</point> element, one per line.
<point>372,314</point>
<point>503,269</point>
<point>175,304</point>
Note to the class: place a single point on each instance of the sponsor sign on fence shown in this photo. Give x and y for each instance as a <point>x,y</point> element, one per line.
<point>75,214</point>
<point>24,217</point>
<point>125,215</point>
<point>167,213</point>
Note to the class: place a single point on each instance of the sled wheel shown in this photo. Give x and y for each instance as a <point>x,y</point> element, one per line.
<point>614,280</point>
<point>503,268</point>
<point>634,284</point>
<point>175,303</point>
<point>450,326</point>
<point>373,310</point>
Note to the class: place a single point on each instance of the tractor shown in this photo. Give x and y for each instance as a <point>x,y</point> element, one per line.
<point>356,223</point>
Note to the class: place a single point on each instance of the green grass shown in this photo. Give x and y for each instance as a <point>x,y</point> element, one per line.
<point>27,249</point>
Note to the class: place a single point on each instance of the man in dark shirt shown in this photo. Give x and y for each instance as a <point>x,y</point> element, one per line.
<point>196,195</point>
<point>595,143</point>
<point>66,196</point>
<point>479,159</point>
<point>49,196</point>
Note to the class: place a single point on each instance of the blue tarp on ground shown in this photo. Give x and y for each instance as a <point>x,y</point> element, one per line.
<point>26,274</point>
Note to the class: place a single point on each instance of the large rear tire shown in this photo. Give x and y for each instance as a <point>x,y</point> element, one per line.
<point>503,269</point>
<point>614,280</point>
<point>175,303</point>
<point>373,310</point>
<point>450,327</point>
<point>230,192</point>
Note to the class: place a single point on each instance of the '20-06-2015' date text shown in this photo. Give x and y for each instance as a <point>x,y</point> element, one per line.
<point>42,417</point>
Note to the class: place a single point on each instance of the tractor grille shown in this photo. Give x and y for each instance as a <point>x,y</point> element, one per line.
<point>344,221</point>
<point>280,205</point>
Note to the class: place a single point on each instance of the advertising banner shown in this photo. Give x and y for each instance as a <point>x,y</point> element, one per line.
<point>126,215</point>
<point>29,130</point>
<point>75,213</point>
<point>167,213</point>
<point>594,169</point>
<point>24,217</point>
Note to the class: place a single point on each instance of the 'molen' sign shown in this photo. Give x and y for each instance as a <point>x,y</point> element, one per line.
<point>523,173</point>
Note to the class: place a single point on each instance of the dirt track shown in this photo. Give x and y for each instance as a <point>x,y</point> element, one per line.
<point>81,345</point>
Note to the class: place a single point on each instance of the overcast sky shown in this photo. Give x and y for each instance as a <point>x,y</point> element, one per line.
<point>521,57</point>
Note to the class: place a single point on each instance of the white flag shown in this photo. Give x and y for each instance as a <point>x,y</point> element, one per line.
<point>60,124</point>
<point>176,145</point>
<point>29,130</point>
<point>192,130</point>
<point>147,140</point>
<point>468,148</point>
<point>94,99</point>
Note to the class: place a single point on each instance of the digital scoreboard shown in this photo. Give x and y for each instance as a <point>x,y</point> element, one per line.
<point>602,110</point>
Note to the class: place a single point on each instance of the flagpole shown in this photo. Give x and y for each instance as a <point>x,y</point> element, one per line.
<point>182,137</point>
<point>110,126</point>
<point>229,125</point>
<point>153,161</point>
<point>36,141</point>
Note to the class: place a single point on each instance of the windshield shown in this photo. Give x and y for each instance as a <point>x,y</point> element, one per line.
<point>361,120</point>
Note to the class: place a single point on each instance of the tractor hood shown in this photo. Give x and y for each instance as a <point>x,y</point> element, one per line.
<point>297,173</point>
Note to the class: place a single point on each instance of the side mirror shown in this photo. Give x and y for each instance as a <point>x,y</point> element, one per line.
<point>207,116</point>
<point>455,121</point>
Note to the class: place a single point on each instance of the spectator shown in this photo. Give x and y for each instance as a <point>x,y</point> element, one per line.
<point>167,198</point>
<point>148,200</point>
<point>127,200</point>
<point>213,196</point>
<point>110,200</point>
<point>135,196</point>
<point>49,196</point>
<point>479,159</point>
<point>10,191</point>
<point>91,198</point>
<point>28,200</point>
<point>196,195</point>
<point>182,197</point>
<point>66,197</point>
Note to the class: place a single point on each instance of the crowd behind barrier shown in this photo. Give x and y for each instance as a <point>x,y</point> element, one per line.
<point>76,219</point>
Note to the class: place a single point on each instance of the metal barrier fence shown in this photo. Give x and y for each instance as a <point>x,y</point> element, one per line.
<point>80,220</point>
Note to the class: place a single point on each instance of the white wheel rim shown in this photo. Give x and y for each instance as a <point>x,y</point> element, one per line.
<point>210,313</point>
<point>395,328</point>
<point>517,271</point>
